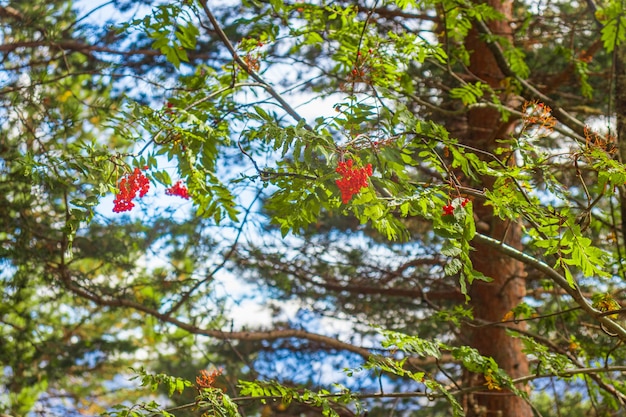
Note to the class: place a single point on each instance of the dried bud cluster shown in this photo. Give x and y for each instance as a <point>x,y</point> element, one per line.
<point>206,378</point>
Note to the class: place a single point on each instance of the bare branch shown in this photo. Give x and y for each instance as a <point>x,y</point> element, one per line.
<point>9,11</point>
<point>87,49</point>
<point>217,334</point>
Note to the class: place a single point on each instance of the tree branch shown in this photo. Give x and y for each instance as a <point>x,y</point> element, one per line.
<point>420,394</point>
<point>224,38</point>
<point>84,48</point>
<point>221,265</point>
<point>217,334</point>
<point>559,279</point>
<point>8,11</point>
<point>355,286</point>
<point>567,119</point>
<point>327,341</point>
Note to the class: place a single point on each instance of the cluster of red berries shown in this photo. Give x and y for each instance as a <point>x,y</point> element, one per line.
<point>179,190</point>
<point>353,179</point>
<point>137,182</point>
<point>448,209</point>
<point>169,108</point>
<point>362,68</point>
<point>128,188</point>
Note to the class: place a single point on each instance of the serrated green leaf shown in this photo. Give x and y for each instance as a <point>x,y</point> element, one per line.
<point>453,266</point>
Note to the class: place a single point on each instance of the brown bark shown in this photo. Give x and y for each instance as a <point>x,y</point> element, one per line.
<point>491,301</point>
<point>620,119</point>
<point>620,98</point>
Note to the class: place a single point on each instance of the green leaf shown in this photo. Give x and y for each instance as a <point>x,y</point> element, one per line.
<point>453,266</point>
<point>469,93</point>
<point>450,249</point>
<point>172,55</point>
<point>614,30</point>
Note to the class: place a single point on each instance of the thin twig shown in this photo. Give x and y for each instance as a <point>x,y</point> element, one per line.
<point>231,49</point>
<point>230,253</point>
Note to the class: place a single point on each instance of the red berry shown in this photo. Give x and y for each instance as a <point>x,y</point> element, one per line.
<point>128,187</point>
<point>179,190</point>
<point>353,179</point>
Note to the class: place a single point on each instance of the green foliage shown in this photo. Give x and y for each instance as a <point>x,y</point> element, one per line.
<point>323,399</point>
<point>516,60</point>
<point>138,410</point>
<point>614,24</point>
<point>173,384</point>
<point>469,93</point>
<point>573,404</point>
<point>172,34</point>
<point>548,362</point>
<point>456,161</point>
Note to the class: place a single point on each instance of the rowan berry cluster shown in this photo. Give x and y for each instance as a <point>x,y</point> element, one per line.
<point>169,108</point>
<point>179,190</point>
<point>352,179</point>
<point>128,187</point>
<point>361,69</point>
<point>448,209</point>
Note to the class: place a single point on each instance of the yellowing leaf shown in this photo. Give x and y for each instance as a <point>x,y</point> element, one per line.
<point>63,98</point>
<point>491,382</point>
<point>508,316</point>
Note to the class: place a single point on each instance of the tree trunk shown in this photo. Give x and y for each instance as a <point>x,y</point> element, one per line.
<point>620,122</point>
<point>491,301</point>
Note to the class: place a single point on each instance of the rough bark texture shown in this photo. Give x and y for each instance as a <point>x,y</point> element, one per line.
<point>620,119</point>
<point>491,301</point>
<point>620,98</point>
